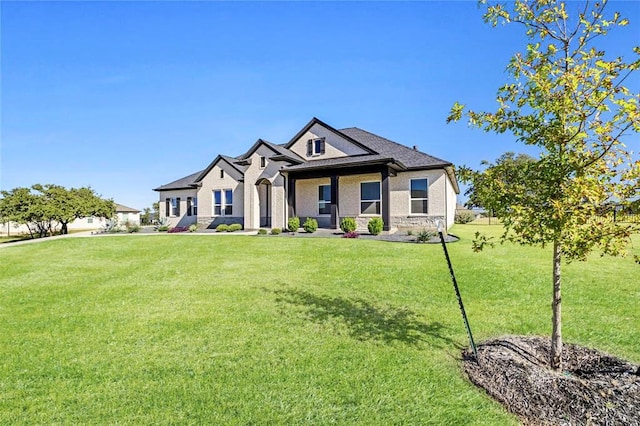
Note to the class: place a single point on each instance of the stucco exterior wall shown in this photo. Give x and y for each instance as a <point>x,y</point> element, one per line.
<point>213,182</point>
<point>307,200</point>
<point>452,201</point>
<point>335,146</point>
<point>252,199</point>
<point>182,219</point>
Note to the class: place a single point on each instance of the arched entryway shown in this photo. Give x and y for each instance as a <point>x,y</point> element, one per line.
<point>264,202</point>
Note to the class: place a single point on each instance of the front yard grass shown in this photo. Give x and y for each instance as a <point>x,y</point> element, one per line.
<point>257,330</point>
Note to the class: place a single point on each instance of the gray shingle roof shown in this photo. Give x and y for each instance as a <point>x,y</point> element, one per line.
<point>186,182</point>
<point>411,158</point>
<point>125,209</point>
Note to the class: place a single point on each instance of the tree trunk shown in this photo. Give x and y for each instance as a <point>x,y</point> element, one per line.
<point>556,307</point>
<point>64,230</point>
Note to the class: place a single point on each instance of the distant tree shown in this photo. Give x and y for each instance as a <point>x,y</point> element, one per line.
<point>145,217</point>
<point>509,173</point>
<point>43,207</point>
<point>570,101</point>
<point>156,211</point>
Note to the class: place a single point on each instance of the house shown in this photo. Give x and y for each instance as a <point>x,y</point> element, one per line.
<point>323,173</point>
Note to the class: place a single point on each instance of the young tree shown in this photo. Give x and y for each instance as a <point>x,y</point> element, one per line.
<point>568,99</point>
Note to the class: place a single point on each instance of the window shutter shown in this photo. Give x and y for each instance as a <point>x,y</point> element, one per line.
<point>188,206</point>
<point>310,147</point>
<point>322,146</point>
<point>178,208</point>
<point>167,207</point>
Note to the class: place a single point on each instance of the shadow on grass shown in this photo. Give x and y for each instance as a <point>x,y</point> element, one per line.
<point>366,321</point>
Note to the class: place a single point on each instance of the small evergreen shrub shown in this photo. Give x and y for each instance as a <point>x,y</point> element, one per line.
<point>223,227</point>
<point>424,236</point>
<point>310,225</point>
<point>193,227</point>
<point>293,224</point>
<point>262,231</point>
<point>351,234</point>
<point>410,232</point>
<point>348,224</point>
<point>276,231</point>
<point>464,216</point>
<point>375,225</point>
<point>234,227</point>
<point>162,228</point>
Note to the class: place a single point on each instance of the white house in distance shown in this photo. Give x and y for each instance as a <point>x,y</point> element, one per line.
<point>322,173</point>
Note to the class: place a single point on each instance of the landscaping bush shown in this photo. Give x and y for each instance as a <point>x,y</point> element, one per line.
<point>310,225</point>
<point>234,227</point>
<point>193,227</point>
<point>351,234</point>
<point>424,236</point>
<point>375,225</point>
<point>276,231</point>
<point>262,231</point>
<point>410,232</point>
<point>133,228</point>
<point>162,228</point>
<point>293,224</point>
<point>464,216</point>
<point>223,227</point>
<point>348,224</point>
<point>178,229</point>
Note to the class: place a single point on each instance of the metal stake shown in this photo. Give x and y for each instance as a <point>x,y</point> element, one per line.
<point>455,286</point>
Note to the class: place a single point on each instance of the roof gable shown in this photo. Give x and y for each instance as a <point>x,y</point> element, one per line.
<point>335,144</point>
<point>230,161</point>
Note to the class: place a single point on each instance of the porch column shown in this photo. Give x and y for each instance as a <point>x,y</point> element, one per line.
<point>291,198</point>
<point>386,217</point>
<point>335,216</point>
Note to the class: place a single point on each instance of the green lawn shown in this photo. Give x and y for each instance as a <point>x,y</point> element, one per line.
<point>279,330</point>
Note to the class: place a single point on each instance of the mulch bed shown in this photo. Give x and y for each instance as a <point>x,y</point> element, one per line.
<point>592,389</point>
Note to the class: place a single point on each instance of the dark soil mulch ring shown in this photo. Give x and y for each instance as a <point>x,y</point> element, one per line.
<point>593,389</point>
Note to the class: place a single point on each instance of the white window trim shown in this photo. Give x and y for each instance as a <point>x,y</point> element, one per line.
<point>223,202</point>
<point>361,200</point>
<point>411,198</point>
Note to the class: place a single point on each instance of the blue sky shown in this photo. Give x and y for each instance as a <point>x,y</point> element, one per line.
<point>127,96</point>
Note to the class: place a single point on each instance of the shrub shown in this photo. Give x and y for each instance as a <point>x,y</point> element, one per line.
<point>348,224</point>
<point>234,227</point>
<point>293,224</point>
<point>223,227</point>
<point>351,234</point>
<point>375,225</point>
<point>162,228</point>
<point>193,227</point>
<point>276,231</point>
<point>410,232</point>
<point>424,236</point>
<point>464,216</point>
<point>262,231</point>
<point>310,225</point>
<point>133,228</point>
<point>178,229</point>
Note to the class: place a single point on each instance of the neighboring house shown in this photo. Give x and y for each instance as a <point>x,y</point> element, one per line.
<point>323,173</point>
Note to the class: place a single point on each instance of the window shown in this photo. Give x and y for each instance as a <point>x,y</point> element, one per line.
<point>90,219</point>
<point>370,198</point>
<point>263,162</point>
<point>419,196</point>
<point>192,206</point>
<point>221,174</point>
<point>324,199</point>
<point>315,146</point>
<point>223,202</point>
<point>175,207</point>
